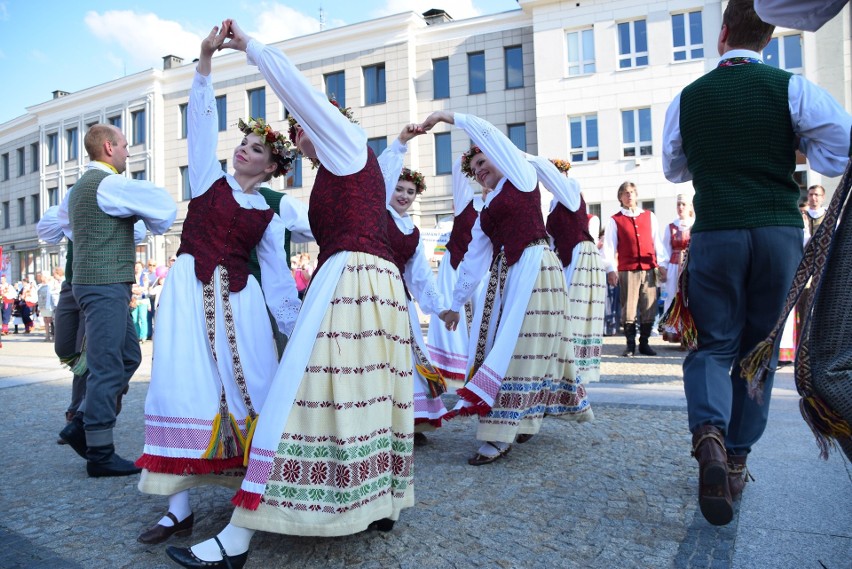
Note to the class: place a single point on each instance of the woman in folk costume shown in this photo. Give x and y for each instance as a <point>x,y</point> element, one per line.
<point>214,354</point>
<point>333,455</point>
<point>449,349</point>
<point>403,186</point>
<point>584,273</point>
<point>675,241</point>
<point>522,366</point>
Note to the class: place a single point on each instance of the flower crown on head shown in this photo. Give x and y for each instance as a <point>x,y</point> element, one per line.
<point>415,178</point>
<point>466,158</point>
<point>280,146</point>
<point>345,111</point>
<point>561,165</point>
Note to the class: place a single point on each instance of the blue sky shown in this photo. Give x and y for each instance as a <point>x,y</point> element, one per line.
<point>71,45</point>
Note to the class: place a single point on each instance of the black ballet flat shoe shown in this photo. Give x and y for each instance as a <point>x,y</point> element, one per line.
<point>184,557</point>
<point>384,524</point>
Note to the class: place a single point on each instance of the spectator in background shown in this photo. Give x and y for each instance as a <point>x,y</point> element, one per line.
<point>139,304</point>
<point>46,304</point>
<point>633,252</point>
<point>8,294</point>
<point>676,240</point>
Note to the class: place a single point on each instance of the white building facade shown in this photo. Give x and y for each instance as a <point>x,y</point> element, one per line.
<point>588,82</point>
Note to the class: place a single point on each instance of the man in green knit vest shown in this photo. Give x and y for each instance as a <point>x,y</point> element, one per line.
<point>734,133</point>
<point>100,211</point>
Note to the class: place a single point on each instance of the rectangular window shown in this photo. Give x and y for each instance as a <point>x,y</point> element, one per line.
<point>294,176</point>
<point>6,215</point>
<point>257,103</point>
<point>632,44</point>
<point>22,211</point>
<point>72,143</point>
<point>222,112</point>
<point>115,121</point>
<point>687,36</point>
<point>52,197</point>
<point>443,153</point>
<point>138,175</point>
<point>6,166</point>
<point>476,72</point>
<point>374,85</point>
<point>224,165</point>
<point>517,133</point>
<point>34,202</point>
<point>34,156</point>
<point>182,109</point>
<point>441,78</point>
<point>594,209</point>
<point>137,119</point>
<point>785,52</point>
<point>514,58</point>
<point>52,148</point>
<point>335,87</point>
<point>636,132</point>
<point>185,191</point>
<point>21,164</point>
<point>581,52</point>
<point>584,138</point>
<point>647,205</point>
<point>378,144</point>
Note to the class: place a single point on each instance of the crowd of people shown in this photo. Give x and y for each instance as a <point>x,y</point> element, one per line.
<point>305,387</point>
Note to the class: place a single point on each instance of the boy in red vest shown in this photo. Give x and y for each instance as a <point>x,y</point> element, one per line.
<point>632,251</point>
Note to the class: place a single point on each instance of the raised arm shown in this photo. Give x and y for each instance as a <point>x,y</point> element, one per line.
<point>341,146</point>
<point>202,118</point>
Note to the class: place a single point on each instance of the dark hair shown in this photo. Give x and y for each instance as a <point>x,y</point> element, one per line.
<point>817,186</point>
<point>745,28</point>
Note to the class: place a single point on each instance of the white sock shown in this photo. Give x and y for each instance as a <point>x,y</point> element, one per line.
<point>234,539</point>
<point>179,507</point>
<point>487,450</point>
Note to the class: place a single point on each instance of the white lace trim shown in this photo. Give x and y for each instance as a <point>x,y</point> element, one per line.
<point>286,315</point>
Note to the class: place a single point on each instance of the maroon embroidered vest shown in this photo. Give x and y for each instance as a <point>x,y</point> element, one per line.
<point>568,228</point>
<point>461,234</point>
<point>513,220</point>
<point>680,241</point>
<point>403,246</point>
<point>349,213</point>
<point>635,242</point>
<point>217,231</point>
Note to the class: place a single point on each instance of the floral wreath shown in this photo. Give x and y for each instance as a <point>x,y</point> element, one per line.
<point>280,146</point>
<point>466,158</point>
<point>561,165</point>
<point>415,178</point>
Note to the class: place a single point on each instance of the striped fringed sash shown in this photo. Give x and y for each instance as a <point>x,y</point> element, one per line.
<point>678,317</point>
<point>226,439</point>
<point>826,424</point>
<point>433,377</point>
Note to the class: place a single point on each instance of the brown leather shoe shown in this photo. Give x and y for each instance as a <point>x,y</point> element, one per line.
<point>738,474</point>
<point>158,534</point>
<point>714,494</point>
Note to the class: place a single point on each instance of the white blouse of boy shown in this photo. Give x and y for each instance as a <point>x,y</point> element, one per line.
<point>252,156</point>
<point>485,171</point>
<point>403,196</point>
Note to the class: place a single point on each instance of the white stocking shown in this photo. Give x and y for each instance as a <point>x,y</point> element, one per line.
<point>179,507</point>
<point>234,539</point>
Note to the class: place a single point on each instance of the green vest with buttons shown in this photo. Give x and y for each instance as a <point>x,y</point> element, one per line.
<point>104,252</point>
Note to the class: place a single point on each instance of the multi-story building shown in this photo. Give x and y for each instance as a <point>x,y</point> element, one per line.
<point>586,81</point>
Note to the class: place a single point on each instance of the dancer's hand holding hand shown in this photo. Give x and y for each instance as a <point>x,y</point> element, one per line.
<point>451,319</point>
<point>214,40</point>
<point>237,38</point>
<point>436,117</point>
<point>409,131</point>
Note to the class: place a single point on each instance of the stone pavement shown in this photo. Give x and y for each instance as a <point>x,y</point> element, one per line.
<point>615,493</point>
